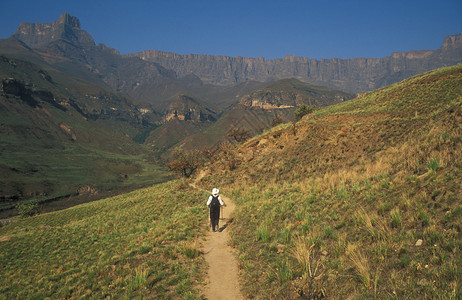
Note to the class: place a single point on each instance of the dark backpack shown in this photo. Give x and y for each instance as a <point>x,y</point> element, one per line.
<point>215,203</point>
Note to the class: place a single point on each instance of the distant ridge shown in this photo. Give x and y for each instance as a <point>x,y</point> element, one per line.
<point>353,75</point>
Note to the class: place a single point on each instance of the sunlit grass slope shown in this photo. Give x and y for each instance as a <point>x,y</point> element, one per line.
<point>136,245</point>
<point>364,201</point>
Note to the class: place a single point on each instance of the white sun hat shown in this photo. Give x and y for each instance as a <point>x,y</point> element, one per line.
<point>215,191</point>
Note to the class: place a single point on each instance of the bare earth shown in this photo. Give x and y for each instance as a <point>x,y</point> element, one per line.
<point>223,282</point>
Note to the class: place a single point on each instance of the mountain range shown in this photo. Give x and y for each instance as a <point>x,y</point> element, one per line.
<point>354,75</point>
<point>79,118</point>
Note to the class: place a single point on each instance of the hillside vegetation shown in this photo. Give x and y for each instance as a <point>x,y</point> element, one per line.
<point>139,245</point>
<point>364,201</point>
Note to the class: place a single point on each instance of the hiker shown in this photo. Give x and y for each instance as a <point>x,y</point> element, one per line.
<point>214,203</point>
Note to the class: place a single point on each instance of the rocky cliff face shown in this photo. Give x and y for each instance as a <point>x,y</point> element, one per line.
<point>185,108</point>
<point>161,70</point>
<point>288,93</point>
<point>67,27</point>
<point>351,75</point>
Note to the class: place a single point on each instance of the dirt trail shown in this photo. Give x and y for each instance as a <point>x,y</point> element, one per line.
<point>223,281</point>
<point>223,273</point>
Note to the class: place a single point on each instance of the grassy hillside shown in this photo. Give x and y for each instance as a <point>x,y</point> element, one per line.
<point>138,245</point>
<point>364,201</point>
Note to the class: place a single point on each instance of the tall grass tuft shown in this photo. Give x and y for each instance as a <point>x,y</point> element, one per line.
<point>262,234</point>
<point>190,249</point>
<point>309,260</point>
<point>360,264</point>
<point>138,279</point>
<point>395,218</point>
<point>373,226</point>
<point>433,164</point>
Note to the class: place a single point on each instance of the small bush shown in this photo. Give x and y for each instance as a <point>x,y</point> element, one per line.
<point>184,163</point>
<point>28,209</point>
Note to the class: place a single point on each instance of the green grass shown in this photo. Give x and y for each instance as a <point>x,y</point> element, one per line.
<point>57,172</point>
<point>386,241</point>
<point>141,244</point>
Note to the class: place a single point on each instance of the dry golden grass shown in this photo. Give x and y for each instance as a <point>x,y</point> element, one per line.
<point>373,226</point>
<point>307,256</point>
<point>360,264</point>
<point>309,259</point>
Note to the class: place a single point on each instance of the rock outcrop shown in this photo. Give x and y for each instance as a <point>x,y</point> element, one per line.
<point>353,75</point>
<point>185,108</point>
<point>64,37</point>
<point>288,93</point>
<point>67,27</point>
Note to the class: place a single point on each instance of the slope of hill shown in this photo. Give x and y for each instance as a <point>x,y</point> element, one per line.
<point>139,245</point>
<point>364,201</point>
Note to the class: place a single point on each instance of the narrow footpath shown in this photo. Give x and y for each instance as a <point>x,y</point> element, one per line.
<point>223,278</point>
<point>223,273</point>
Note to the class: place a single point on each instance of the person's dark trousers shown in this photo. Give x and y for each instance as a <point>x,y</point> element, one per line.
<point>215,217</point>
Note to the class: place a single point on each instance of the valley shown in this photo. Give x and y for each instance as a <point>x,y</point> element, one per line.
<point>357,197</point>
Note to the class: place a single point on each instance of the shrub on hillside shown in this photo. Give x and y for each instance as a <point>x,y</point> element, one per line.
<point>28,209</point>
<point>184,163</point>
<point>301,111</point>
<point>238,135</point>
<point>276,121</point>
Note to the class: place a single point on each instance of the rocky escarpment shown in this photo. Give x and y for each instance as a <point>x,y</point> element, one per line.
<point>67,27</point>
<point>353,75</point>
<point>139,79</point>
<point>185,108</point>
<point>161,70</point>
<point>288,93</point>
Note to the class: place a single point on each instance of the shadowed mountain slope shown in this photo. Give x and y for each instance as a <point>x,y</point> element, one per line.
<point>64,136</point>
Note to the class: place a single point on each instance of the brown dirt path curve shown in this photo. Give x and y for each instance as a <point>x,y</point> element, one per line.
<point>223,273</point>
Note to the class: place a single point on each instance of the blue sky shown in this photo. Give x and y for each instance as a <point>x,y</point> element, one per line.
<point>252,28</point>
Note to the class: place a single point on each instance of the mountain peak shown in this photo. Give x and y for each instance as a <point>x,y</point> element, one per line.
<point>67,19</point>
<point>67,27</point>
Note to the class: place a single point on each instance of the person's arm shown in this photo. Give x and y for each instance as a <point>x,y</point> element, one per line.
<point>209,200</point>
<point>221,201</point>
